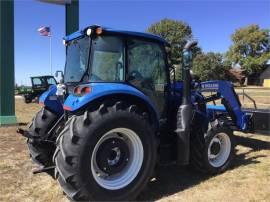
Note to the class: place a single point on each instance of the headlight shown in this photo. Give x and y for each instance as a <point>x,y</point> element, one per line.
<point>89,31</point>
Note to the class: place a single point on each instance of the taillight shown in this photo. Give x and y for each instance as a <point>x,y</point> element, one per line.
<point>67,108</point>
<point>86,90</point>
<point>77,90</point>
<point>99,31</point>
<point>82,91</point>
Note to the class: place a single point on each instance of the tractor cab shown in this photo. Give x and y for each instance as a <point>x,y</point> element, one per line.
<point>100,55</point>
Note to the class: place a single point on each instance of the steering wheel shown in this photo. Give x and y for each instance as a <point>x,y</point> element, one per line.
<point>135,75</point>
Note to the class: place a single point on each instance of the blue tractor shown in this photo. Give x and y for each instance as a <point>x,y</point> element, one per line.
<point>118,115</point>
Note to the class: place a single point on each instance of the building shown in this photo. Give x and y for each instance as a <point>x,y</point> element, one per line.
<point>264,78</point>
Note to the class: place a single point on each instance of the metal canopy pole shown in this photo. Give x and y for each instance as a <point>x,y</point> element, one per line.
<point>72,16</point>
<point>7,103</point>
<point>51,51</point>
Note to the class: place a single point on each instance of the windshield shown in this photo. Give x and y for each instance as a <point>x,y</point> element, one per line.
<point>106,60</point>
<point>77,59</point>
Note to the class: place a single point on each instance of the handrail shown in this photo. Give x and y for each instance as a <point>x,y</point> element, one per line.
<point>252,88</point>
<point>250,98</point>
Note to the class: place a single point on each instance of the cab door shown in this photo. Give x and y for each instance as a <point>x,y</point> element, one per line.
<point>147,70</point>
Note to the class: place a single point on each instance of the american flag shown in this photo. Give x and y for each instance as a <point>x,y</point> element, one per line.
<point>44,31</point>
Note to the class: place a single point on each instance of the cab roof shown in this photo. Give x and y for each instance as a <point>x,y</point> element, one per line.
<point>142,35</point>
<point>44,76</point>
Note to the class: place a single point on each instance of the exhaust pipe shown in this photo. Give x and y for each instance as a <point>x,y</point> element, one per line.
<point>184,113</point>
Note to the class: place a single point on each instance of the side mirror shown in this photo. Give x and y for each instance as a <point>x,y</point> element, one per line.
<point>187,58</point>
<point>187,55</point>
<point>61,80</point>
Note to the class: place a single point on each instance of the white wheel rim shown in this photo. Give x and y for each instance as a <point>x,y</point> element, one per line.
<point>133,166</point>
<point>220,158</point>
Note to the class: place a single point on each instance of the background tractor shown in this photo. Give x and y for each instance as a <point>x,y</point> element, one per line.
<point>40,84</point>
<point>118,114</point>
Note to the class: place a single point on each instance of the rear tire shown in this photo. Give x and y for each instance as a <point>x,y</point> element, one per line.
<point>213,152</point>
<point>41,124</point>
<point>89,167</point>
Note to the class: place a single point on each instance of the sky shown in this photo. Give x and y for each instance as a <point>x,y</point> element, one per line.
<point>212,23</point>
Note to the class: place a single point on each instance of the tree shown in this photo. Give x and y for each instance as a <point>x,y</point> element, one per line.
<point>209,66</point>
<point>250,49</point>
<point>176,33</point>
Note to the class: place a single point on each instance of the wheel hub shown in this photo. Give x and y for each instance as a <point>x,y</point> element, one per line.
<point>215,148</point>
<point>112,156</point>
<point>117,158</point>
<point>219,149</point>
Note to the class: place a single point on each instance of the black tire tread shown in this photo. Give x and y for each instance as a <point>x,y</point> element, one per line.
<point>66,158</point>
<point>199,147</point>
<point>41,124</point>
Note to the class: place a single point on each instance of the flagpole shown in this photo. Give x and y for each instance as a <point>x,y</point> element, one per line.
<point>51,50</point>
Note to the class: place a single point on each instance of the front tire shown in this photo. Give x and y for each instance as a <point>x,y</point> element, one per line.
<point>213,152</point>
<point>107,154</point>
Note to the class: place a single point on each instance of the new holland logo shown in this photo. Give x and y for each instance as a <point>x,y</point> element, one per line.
<point>210,86</point>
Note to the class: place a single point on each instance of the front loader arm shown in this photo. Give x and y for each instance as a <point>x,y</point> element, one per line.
<point>232,105</point>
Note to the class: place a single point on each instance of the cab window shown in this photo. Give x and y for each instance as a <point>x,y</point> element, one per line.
<point>51,81</point>
<point>147,70</point>
<point>146,65</point>
<point>38,81</point>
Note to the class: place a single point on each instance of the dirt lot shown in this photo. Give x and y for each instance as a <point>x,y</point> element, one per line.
<point>247,180</point>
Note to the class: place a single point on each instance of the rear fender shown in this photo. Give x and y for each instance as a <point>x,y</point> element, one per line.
<point>50,100</point>
<point>100,90</point>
